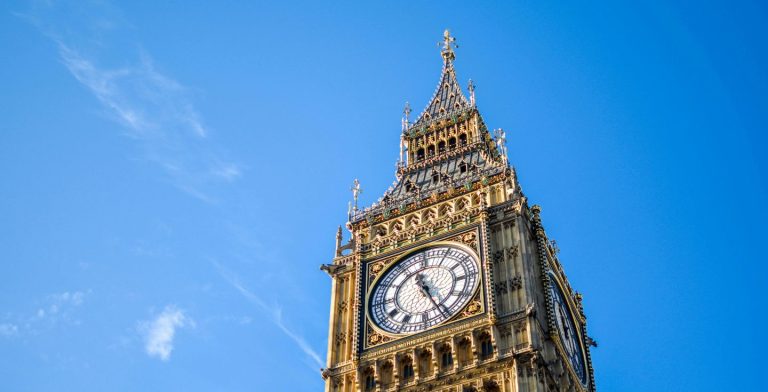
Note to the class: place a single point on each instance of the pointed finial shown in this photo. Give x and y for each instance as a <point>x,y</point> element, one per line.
<point>356,191</point>
<point>501,143</point>
<point>448,44</point>
<point>406,121</point>
<point>339,237</point>
<point>471,88</point>
<point>407,110</point>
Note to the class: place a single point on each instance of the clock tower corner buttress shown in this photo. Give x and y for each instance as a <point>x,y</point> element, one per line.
<point>449,282</point>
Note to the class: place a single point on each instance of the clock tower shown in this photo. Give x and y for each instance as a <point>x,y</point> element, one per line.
<point>449,282</point>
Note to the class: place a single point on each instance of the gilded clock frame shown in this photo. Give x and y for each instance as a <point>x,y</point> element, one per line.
<point>477,299</point>
<point>575,316</point>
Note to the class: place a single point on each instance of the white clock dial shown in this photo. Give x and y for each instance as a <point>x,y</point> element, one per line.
<point>424,289</point>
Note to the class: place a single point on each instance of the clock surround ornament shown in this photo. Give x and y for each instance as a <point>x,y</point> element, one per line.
<point>423,289</point>
<point>570,336</point>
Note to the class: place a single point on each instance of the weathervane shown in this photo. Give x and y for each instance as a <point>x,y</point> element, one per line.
<point>448,44</point>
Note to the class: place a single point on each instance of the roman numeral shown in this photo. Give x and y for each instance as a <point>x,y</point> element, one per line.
<point>406,318</point>
<point>458,278</point>
<point>393,312</point>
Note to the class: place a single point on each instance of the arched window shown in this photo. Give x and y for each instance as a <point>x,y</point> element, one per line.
<point>430,151</point>
<point>463,139</point>
<point>441,147</point>
<point>407,371</point>
<point>446,357</point>
<point>386,373</point>
<point>491,386</point>
<point>463,167</point>
<point>370,382</point>
<point>486,347</point>
<point>419,154</point>
<point>425,363</point>
<point>464,351</point>
<point>452,143</point>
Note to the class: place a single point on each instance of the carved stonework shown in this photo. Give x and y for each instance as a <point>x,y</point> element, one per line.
<point>453,185</point>
<point>513,250</point>
<point>498,256</point>
<point>472,309</point>
<point>376,268</point>
<point>375,338</point>
<point>508,285</point>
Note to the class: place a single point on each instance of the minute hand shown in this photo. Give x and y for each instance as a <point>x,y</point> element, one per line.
<point>435,303</point>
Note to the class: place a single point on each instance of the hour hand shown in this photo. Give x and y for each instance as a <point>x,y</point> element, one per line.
<point>422,286</point>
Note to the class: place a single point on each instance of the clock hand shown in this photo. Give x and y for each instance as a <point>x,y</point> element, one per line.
<point>439,309</point>
<point>422,286</point>
<point>425,291</point>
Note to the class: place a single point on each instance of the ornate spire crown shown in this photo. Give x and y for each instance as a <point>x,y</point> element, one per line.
<point>449,99</point>
<point>448,150</point>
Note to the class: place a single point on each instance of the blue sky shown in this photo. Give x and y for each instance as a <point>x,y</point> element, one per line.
<point>172,175</point>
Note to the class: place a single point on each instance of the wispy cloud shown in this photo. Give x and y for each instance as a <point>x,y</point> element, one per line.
<point>152,107</point>
<point>160,331</point>
<point>8,329</point>
<point>58,304</point>
<point>272,312</point>
<point>53,310</point>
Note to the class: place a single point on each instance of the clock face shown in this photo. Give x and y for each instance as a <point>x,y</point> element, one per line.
<point>424,289</point>
<point>566,328</point>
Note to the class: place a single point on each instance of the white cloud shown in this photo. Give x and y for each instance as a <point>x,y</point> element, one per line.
<point>8,329</point>
<point>67,298</point>
<point>160,332</point>
<point>153,109</point>
<point>273,313</point>
<point>58,306</point>
<point>57,309</point>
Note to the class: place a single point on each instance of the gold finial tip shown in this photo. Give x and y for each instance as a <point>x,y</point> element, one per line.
<point>448,44</point>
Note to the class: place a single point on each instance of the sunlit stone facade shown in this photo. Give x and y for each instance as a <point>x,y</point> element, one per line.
<point>449,282</point>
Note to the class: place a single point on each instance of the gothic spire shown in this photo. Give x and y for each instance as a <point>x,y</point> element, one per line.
<point>448,97</point>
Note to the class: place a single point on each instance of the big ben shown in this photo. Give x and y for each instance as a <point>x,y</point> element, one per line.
<point>449,282</point>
